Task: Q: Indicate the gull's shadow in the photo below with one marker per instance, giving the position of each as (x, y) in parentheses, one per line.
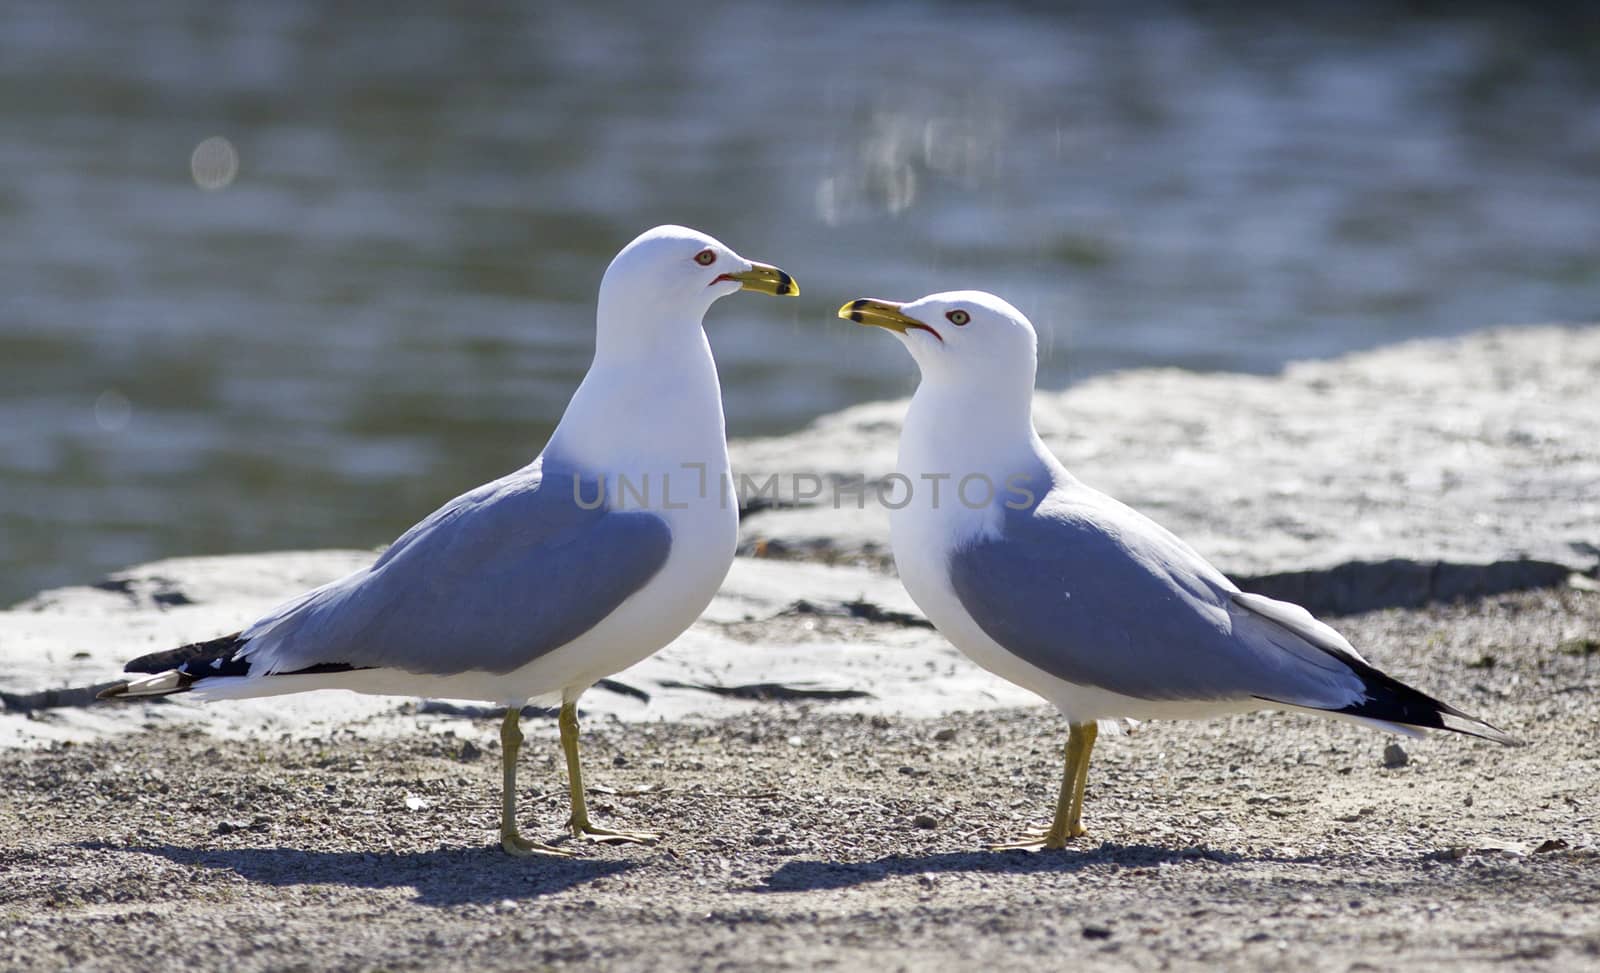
(447, 876)
(806, 876)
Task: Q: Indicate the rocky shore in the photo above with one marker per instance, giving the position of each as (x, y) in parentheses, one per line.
(828, 770)
(1429, 470)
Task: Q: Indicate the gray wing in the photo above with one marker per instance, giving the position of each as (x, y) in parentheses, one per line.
(1094, 593)
(490, 581)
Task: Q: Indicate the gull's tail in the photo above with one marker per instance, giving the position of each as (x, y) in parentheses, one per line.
(1392, 704)
(1385, 702)
(180, 670)
(177, 670)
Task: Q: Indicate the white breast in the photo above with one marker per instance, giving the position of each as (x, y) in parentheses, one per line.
(654, 429)
(935, 449)
(947, 437)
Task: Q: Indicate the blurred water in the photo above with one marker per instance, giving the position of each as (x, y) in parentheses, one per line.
(390, 301)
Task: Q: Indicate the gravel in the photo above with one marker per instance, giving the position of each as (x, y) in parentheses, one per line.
(1266, 841)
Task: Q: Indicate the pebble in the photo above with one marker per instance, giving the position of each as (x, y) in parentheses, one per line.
(1394, 755)
(926, 821)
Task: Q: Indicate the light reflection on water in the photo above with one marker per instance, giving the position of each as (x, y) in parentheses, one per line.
(385, 295)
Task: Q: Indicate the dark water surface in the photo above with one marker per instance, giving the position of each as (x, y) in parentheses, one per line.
(390, 299)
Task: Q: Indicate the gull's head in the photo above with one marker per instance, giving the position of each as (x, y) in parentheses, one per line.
(957, 335)
(672, 272)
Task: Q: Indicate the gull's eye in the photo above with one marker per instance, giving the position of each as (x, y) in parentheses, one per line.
(706, 257)
(957, 317)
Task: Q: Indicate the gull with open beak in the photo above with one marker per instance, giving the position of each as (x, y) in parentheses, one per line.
(1064, 591)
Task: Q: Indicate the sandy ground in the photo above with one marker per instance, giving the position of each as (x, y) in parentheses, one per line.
(801, 838)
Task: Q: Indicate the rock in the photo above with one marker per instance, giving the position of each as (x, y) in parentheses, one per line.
(1427, 470)
(1581, 647)
(1492, 846)
(1394, 755)
(1488, 846)
(944, 735)
(925, 821)
(1371, 473)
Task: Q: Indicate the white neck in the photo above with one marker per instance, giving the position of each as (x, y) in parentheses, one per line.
(648, 405)
(958, 433)
(956, 430)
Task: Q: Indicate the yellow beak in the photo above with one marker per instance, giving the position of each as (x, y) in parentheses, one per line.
(766, 279)
(884, 314)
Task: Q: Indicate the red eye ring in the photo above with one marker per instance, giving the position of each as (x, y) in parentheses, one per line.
(958, 317)
(706, 257)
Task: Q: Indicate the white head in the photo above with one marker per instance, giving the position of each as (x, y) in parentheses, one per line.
(669, 276)
(959, 337)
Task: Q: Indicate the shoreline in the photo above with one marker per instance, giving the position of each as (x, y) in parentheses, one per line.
(828, 771)
(1441, 470)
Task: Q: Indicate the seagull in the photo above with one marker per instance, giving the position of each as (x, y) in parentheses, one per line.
(539, 584)
(1061, 589)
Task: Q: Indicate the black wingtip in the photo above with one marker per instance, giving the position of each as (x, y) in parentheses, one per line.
(1389, 700)
(1460, 722)
(198, 661)
(206, 651)
(112, 691)
(1386, 699)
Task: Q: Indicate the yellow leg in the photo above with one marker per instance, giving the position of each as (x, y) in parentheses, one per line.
(1068, 823)
(1083, 736)
(579, 822)
(510, 744)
